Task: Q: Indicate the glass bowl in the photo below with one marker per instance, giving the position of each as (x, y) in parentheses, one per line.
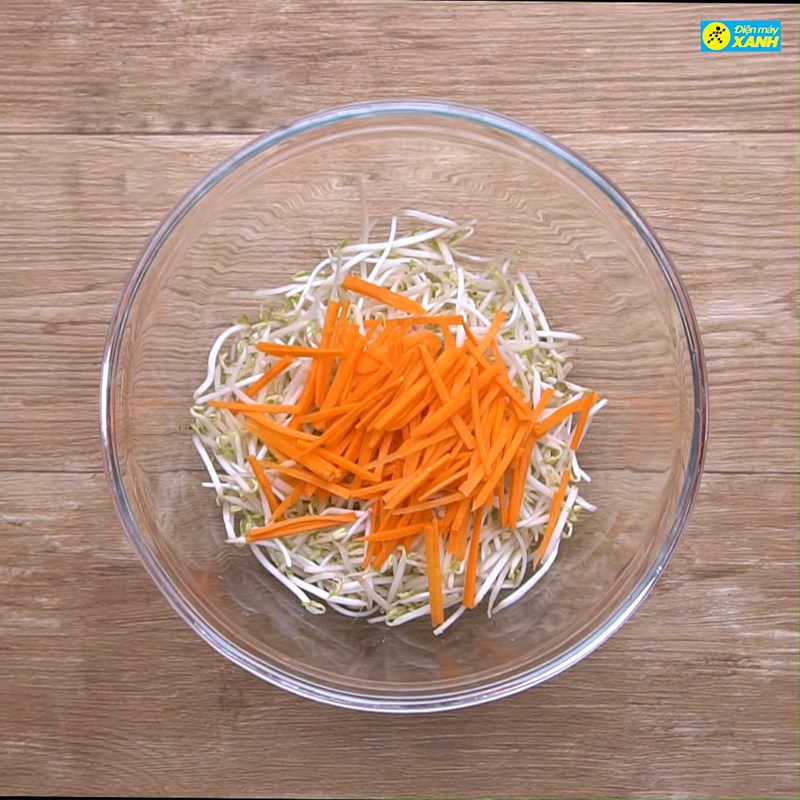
(271, 210)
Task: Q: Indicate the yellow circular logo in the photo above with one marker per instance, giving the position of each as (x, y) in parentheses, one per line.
(716, 36)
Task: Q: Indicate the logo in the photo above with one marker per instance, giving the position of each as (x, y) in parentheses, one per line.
(716, 36)
(740, 35)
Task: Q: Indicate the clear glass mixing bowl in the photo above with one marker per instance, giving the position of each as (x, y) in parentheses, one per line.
(272, 209)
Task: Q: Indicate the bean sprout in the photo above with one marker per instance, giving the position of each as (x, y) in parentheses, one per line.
(323, 569)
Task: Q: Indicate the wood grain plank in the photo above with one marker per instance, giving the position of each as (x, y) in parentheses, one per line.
(726, 216)
(694, 697)
(234, 65)
(103, 689)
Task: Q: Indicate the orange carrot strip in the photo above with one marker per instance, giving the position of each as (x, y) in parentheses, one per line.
(432, 559)
(286, 503)
(446, 436)
(306, 397)
(518, 481)
(460, 375)
(286, 448)
(259, 408)
(328, 413)
(437, 502)
(376, 490)
(379, 401)
(472, 559)
(449, 339)
(303, 523)
(408, 485)
(499, 421)
(387, 549)
(513, 392)
(544, 399)
(281, 430)
(368, 363)
(389, 534)
(488, 486)
(477, 472)
(323, 373)
(345, 462)
(446, 522)
(299, 525)
(383, 454)
(560, 414)
(261, 478)
(309, 477)
(444, 397)
(425, 340)
(410, 463)
(364, 387)
(414, 412)
(477, 423)
(443, 483)
(382, 295)
(459, 523)
(435, 451)
(502, 500)
(555, 511)
(406, 398)
(461, 540)
(342, 425)
(268, 376)
(589, 401)
(344, 375)
(297, 350)
(494, 329)
(447, 410)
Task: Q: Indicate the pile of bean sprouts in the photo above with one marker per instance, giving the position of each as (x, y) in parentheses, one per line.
(431, 265)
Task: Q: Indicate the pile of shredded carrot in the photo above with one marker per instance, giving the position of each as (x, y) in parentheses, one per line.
(430, 433)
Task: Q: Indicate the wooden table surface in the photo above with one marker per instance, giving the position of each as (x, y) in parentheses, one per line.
(109, 111)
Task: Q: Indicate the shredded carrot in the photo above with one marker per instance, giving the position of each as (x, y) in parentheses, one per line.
(268, 376)
(477, 420)
(502, 500)
(462, 398)
(488, 486)
(518, 479)
(328, 413)
(437, 487)
(296, 350)
(559, 415)
(393, 412)
(472, 559)
(434, 574)
(555, 512)
(280, 430)
(382, 295)
(308, 477)
(588, 402)
(263, 482)
(390, 534)
(349, 464)
(260, 408)
(299, 525)
(494, 329)
(376, 490)
(458, 538)
(407, 486)
(438, 502)
(286, 503)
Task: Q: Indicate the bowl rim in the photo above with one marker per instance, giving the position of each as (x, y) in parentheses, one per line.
(424, 701)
